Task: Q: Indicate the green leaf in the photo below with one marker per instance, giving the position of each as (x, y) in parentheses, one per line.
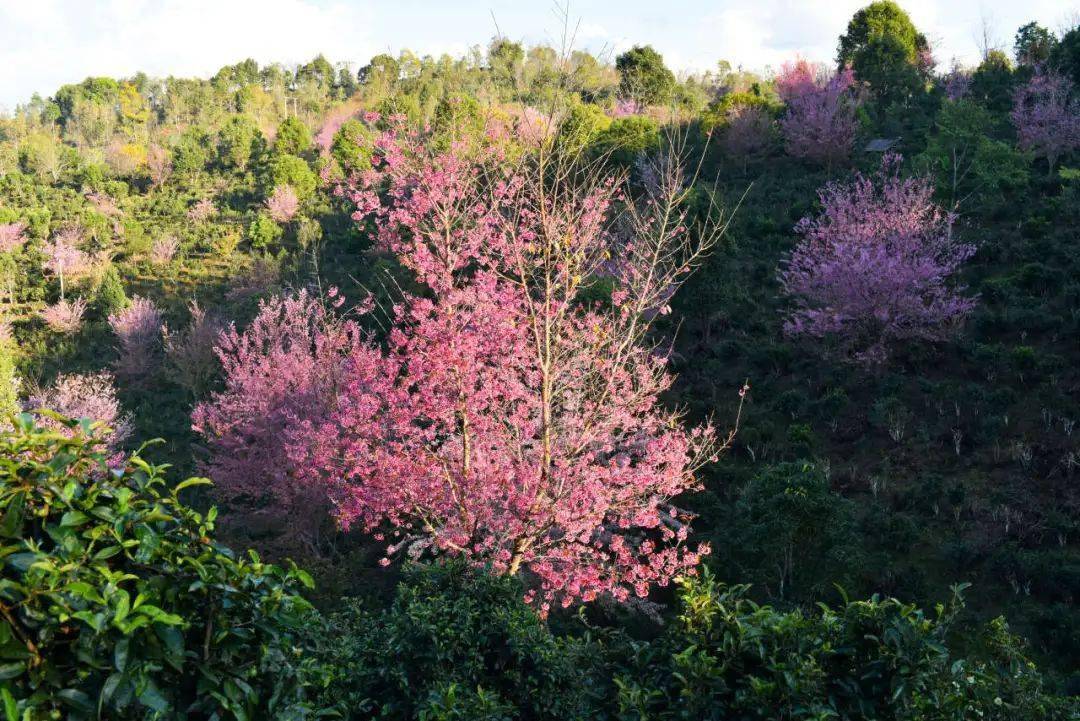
(123, 605)
(76, 699)
(152, 697)
(11, 707)
(11, 526)
(192, 482)
(12, 670)
(107, 552)
(73, 519)
(120, 655)
(22, 561)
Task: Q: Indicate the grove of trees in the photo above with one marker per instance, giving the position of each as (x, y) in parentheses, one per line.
(578, 389)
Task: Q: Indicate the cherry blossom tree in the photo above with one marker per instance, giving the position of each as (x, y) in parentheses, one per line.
(190, 351)
(820, 123)
(163, 250)
(283, 204)
(747, 131)
(65, 316)
(12, 236)
(138, 330)
(504, 421)
(1047, 116)
(79, 395)
(63, 258)
(874, 268)
(798, 78)
(284, 367)
(201, 210)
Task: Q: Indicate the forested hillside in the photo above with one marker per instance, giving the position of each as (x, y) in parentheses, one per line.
(578, 388)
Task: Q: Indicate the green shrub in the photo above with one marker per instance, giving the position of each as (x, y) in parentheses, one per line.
(263, 232)
(352, 146)
(626, 138)
(294, 171)
(455, 644)
(116, 602)
(110, 296)
(293, 137)
(728, 658)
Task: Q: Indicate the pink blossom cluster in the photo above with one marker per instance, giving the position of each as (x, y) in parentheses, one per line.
(503, 421)
(332, 124)
(138, 331)
(283, 204)
(65, 316)
(64, 258)
(158, 165)
(12, 236)
(190, 351)
(874, 269)
(625, 107)
(747, 131)
(1046, 114)
(163, 250)
(201, 210)
(282, 374)
(957, 84)
(820, 122)
(91, 396)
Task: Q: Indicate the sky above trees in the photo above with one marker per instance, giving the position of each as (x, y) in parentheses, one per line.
(46, 43)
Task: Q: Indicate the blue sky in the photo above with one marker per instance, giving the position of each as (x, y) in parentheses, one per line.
(45, 43)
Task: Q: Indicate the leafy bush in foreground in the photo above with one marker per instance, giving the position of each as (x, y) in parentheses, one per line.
(728, 658)
(455, 644)
(115, 602)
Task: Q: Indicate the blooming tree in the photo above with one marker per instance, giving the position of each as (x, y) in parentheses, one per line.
(283, 204)
(65, 316)
(163, 250)
(957, 84)
(1047, 116)
(747, 131)
(12, 236)
(874, 268)
(820, 123)
(190, 351)
(201, 210)
(63, 258)
(91, 396)
(138, 330)
(158, 165)
(798, 78)
(284, 367)
(504, 421)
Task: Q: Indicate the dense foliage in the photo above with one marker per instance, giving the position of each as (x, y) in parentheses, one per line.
(116, 601)
(324, 289)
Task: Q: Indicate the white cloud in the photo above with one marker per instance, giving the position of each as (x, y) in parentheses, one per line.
(46, 43)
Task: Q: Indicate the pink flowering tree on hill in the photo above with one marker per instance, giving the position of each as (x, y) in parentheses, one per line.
(505, 422)
(63, 257)
(874, 269)
(285, 367)
(820, 122)
(502, 420)
(1046, 114)
(138, 330)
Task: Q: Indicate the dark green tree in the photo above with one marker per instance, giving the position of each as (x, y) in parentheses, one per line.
(1033, 45)
(505, 59)
(1066, 54)
(643, 75)
(293, 137)
(886, 51)
(239, 141)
